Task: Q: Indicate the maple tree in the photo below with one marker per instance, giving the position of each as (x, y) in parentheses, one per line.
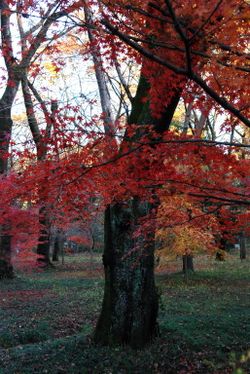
(184, 51)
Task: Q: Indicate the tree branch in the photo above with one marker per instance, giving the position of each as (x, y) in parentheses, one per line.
(178, 70)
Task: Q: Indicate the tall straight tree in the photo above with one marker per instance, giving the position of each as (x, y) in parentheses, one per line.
(6, 102)
(40, 140)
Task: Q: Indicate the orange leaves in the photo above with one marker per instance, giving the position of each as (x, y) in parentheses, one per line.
(184, 228)
(184, 240)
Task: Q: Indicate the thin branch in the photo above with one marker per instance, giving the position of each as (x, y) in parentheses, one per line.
(205, 142)
(39, 38)
(145, 52)
(226, 200)
(30, 113)
(177, 24)
(122, 80)
(39, 99)
(178, 70)
(207, 20)
(223, 102)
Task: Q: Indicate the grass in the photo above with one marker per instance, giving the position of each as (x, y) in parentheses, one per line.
(47, 319)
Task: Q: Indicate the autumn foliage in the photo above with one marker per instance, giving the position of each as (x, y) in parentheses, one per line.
(198, 50)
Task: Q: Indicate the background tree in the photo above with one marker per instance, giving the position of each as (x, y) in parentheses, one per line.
(15, 71)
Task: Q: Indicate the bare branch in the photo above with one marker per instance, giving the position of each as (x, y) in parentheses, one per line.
(143, 51)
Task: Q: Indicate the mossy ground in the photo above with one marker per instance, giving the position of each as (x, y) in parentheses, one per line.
(46, 321)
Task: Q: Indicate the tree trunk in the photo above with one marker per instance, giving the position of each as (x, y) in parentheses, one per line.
(43, 248)
(130, 304)
(6, 103)
(188, 264)
(6, 269)
(243, 248)
(56, 249)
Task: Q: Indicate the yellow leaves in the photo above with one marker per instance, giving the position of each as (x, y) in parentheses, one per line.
(173, 204)
(179, 115)
(184, 240)
(19, 117)
(52, 69)
(183, 228)
(71, 45)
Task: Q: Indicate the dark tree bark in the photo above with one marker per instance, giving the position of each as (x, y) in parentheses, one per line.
(187, 263)
(130, 305)
(187, 266)
(43, 248)
(222, 243)
(56, 248)
(243, 248)
(6, 269)
(6, 102)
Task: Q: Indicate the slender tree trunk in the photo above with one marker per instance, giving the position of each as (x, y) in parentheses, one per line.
(130, 304)
(187, 120)
(185, 265)
(188, 264)
(6, 269)
(104, 94)
(43, 248)
(56, 248)
(92, 247)
(63, 254)
(6, 102)
(243, 248)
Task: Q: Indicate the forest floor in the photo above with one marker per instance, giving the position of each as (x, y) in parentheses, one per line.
(47, 318)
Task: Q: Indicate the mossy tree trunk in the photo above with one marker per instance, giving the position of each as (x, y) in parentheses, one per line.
(130, 305)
